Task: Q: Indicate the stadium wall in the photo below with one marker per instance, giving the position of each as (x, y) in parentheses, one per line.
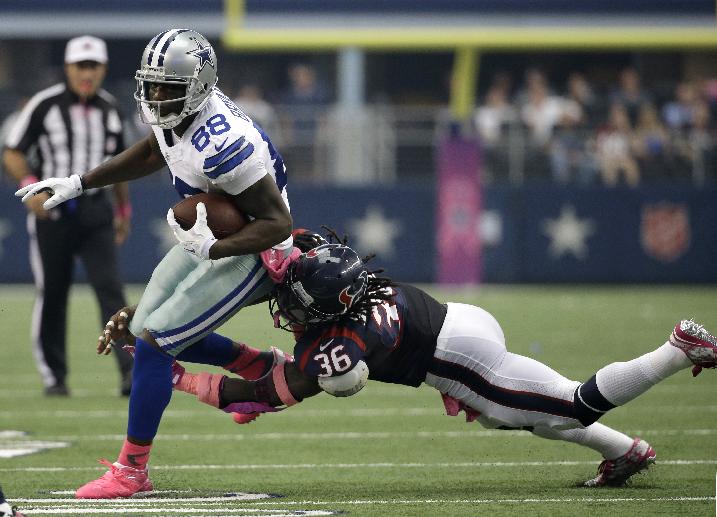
(661, 233)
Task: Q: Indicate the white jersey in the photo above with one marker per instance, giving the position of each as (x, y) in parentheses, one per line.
(221, 151)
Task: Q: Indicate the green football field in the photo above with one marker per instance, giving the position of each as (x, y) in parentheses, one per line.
(389, 450)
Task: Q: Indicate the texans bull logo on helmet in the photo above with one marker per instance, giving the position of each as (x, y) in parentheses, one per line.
(352, 291)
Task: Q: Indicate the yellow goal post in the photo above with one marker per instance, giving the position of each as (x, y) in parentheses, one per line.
(467, 42)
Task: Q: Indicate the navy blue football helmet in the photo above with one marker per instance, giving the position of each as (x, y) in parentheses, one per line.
(322, 285)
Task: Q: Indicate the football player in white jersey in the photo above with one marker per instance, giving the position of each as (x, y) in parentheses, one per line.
(208, 145)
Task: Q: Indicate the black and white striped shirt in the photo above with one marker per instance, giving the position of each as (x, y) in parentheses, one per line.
(71, 136)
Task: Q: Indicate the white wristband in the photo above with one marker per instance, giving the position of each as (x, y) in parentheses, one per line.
(76, 183)
(204, 250)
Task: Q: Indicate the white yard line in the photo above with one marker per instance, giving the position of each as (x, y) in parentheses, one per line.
(303, 413)
(86, 507)
(368, 435)
(383, 465)
(492, 501)
(247, 512)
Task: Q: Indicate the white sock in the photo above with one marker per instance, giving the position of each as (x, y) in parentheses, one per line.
(608, 442)
(619, 383)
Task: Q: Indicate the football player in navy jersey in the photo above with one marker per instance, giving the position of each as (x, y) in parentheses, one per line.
(351, 325)
(209, 145)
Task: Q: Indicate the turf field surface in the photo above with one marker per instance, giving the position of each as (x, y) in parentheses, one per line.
(389, 450)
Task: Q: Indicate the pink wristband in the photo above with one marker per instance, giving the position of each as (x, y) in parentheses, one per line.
(282, 388)
(28, 180)
(124, 210)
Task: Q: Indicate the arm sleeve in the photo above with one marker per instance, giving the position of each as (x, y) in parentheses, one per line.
(26, 129)
(115, 125)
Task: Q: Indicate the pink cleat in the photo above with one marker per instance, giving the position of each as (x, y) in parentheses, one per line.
(698, 344)
(119, 481)
(616, 472)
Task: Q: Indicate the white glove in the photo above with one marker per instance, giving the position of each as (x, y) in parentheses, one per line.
(199, 238)
(63, 189)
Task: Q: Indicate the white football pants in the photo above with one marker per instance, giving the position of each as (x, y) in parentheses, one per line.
(188, 297)
(472, 365)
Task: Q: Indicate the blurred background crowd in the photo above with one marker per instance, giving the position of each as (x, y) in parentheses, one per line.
(588, 118)
(508, 141)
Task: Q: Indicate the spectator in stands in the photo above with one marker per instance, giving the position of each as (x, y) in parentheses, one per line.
(250, 99)
(492, 120)
(569, 159)
(305, 103)
(613, 148)
(678, 113)
(540, 113)
(305, 96)
(580, 91)
(533, 78)
(630, 93)
(697, 146)
(651, 144)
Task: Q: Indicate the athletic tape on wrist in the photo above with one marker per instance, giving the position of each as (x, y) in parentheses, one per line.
(281, 386)
(28, 180)
(123, 210)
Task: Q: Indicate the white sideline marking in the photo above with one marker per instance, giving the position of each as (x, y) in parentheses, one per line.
(13, 449)
(275, 466)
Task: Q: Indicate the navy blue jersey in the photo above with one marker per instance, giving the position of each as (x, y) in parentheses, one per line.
(397, 341)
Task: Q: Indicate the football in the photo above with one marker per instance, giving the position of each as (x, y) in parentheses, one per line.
(223, 218)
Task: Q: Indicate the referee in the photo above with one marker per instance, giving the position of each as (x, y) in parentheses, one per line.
(74, 126)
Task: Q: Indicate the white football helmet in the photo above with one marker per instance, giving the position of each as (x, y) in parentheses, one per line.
(171, 57)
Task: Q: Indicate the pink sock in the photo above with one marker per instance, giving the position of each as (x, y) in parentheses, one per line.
(135, 456)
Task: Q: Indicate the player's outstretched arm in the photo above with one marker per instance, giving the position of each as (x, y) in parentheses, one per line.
(139, 160)
(265, 390)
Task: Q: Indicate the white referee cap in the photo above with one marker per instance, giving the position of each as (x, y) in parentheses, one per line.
(86, 48)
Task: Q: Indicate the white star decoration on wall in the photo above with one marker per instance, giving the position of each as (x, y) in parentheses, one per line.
(568, 234)
(374, 233)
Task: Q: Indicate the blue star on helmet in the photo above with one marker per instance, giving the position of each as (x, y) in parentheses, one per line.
(204, 54)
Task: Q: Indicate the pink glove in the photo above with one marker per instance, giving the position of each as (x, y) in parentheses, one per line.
(276, 262)
(454, 406)
(249, 408)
